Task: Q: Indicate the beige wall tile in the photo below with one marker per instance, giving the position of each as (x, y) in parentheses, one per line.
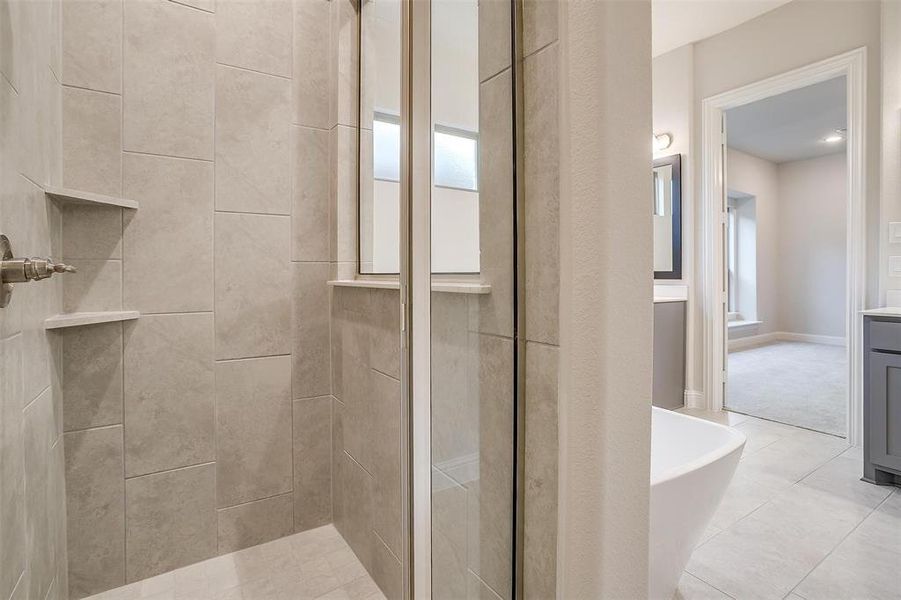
(91, 232)
(387, 570)
(92, 376)
(495, 461)
(540, 542)
(353, 506)
(58, 516)
(539, 24)
(253, 433)
(344, 191)
(170, 520)
(495, 53)
(310, 302)
(41, 300)
(169, 421)
(311, 63)
(9, 44)
(39, 435)
(169, 111)
(384, 352)
(253, 304)
(542, 196)
(15, 202)
(312, 462)
(92, 141)
(495, 202)
(255, 522)
(384, 447)
(454, 384)
(92, 44)
(449, 567)
(12, 473)
(96, 286)
(345, 63)
(255, 35)
(206, 5)
(253, 152)
(95, 505)
(168, 242)
(310, 228)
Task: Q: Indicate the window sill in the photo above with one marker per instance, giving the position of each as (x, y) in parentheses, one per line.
(743, 324)
(452, 287)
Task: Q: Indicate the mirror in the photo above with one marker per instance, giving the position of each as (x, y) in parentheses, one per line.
(455, 137)
(667, 208)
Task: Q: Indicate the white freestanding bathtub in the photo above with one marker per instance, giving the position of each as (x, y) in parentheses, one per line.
(692, 463)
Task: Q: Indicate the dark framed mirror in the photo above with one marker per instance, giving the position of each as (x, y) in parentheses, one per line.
(667, 207)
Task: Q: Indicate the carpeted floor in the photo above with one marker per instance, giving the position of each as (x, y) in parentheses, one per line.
(796, 383)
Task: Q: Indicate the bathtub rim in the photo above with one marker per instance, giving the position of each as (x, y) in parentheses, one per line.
(737, 442)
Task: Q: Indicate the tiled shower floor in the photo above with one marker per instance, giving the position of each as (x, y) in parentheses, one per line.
(309, 565)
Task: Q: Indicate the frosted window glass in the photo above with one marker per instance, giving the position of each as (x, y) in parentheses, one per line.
(386, 150)
(456, 161)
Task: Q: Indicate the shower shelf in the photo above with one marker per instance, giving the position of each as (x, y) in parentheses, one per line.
(79, 197)
(89, 318)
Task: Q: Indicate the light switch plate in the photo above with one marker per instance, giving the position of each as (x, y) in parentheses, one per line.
(894, 266)
(894, 232)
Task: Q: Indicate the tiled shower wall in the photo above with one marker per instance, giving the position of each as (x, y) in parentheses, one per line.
(32, 491)
(204, 426)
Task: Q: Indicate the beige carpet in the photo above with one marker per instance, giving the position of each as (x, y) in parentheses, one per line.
(791, 382)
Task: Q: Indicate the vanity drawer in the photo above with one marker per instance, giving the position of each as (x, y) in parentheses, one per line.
(885, 335)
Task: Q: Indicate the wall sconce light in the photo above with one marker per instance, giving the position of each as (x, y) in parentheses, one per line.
(662, 141)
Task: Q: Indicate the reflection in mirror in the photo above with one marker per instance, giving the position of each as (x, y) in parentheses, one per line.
(455, 137)
(380, 93)
(667, 207)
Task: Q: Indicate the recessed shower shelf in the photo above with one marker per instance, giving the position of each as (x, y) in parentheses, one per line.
(79, 197)
(89, 318)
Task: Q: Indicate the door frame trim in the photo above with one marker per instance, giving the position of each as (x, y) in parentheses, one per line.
(853, 66)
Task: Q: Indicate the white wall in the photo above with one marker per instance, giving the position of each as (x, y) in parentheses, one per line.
(812, 245)
(801, 251)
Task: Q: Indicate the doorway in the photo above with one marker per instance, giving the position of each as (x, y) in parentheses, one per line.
(729, 282)
(786, 231)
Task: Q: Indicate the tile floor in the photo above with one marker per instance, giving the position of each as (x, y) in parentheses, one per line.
(797, 523)
(309, 565)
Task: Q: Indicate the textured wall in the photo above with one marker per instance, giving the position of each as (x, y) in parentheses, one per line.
(32, 492)
(204, 426)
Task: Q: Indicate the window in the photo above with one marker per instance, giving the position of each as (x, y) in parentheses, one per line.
(456, 158)
(386, 147)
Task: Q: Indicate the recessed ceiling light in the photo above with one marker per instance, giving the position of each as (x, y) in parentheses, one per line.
(836, 136)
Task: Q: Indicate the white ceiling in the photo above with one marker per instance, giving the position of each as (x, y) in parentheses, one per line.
(679, 22)
(790, 126)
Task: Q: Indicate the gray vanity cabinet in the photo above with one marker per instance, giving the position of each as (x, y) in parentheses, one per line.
(882, 400)
(669, 354)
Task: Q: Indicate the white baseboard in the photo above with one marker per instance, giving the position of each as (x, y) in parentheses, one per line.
(694, 399)
(812, 339)
(753, 341)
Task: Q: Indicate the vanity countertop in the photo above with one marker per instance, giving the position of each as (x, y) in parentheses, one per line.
(886, 311)
(670, 292)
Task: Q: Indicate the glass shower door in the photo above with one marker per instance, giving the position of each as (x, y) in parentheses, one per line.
(472, 308)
